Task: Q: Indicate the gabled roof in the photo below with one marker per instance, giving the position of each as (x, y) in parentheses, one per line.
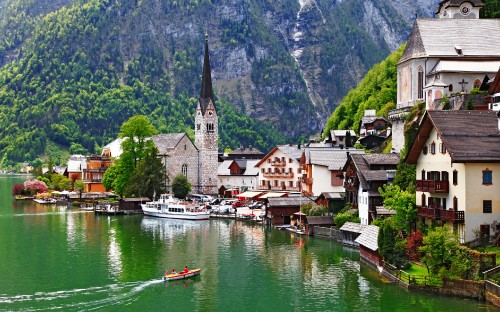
(366, 167)
(247, 165)
(353, 227)
(245, 151)
(439, 37)
(331, 157)
(469, 136)
(369, 237)
(292, 151)
(166, 142)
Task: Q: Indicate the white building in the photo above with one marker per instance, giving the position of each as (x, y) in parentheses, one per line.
(238, 174)
(457, 154)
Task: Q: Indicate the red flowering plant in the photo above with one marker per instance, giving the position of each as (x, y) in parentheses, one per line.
(35, 186)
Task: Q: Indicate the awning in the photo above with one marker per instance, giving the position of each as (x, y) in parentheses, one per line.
(249, 195)
(274, 195)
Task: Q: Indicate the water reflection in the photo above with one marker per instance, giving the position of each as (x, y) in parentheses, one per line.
(165, 229)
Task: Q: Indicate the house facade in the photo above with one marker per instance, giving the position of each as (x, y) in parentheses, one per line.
(322, 169)
(364, 175)
(240, 174)
(457, 154)
(450, 54)
(93, 173)
(280, 169)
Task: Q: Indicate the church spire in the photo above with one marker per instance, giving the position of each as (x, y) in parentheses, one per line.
(206, 93)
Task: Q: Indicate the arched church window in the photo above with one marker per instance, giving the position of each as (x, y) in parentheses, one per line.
(477, 84)
(210, 127)
(185, 170)
(420, 82)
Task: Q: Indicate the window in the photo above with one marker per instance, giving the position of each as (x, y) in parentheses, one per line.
(450, 87)
(423, 174)
(420, 83)
(425, 150)
(455, 177)
(198, 126)
(210, 127)
(444, 203)
(477, 84)
(487, 206)
(185, 170)
(444, 175)
(487, 177)
(424, 203)
(442, 148)
(433, 148)
(455, 203)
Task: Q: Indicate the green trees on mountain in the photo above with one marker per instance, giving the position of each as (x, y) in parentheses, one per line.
(376, 91)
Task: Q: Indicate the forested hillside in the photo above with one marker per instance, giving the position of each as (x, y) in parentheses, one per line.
(74, 70)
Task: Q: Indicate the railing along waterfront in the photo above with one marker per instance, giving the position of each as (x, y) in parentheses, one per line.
(413, 279)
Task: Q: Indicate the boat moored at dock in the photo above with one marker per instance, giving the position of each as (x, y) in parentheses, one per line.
(169, 207)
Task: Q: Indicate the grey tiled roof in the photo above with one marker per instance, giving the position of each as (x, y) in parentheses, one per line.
(365, 163)
(288, 201)
(469, 136)
(292, 151)
(369, 237)
(439, 37)
(353, 227)
(333, 158)
(165, 142)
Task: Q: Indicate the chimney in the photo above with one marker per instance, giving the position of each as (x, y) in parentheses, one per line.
(250, 147)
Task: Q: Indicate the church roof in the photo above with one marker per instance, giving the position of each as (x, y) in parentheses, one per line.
(469, 136)
(441, 37)
(166, 142)
(206, 93)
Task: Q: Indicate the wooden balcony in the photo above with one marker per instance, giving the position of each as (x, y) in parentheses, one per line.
(432, 186)
(437, 213)
(96, 170)
(278, 163)
(278, 174)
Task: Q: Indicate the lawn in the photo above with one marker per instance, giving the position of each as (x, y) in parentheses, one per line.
(492, 249)
(417, 269)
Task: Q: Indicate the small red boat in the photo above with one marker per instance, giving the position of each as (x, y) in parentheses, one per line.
(182, 275)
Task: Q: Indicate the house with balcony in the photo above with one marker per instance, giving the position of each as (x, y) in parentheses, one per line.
(322, 169)
(364, 174)
(75, 166)
(280, 169)
(93, 173)
(457, 154)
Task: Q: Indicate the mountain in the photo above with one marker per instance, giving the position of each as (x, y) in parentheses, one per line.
(73, 70)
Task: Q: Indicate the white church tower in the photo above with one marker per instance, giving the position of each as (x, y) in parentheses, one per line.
(207, 131)
(459, 9)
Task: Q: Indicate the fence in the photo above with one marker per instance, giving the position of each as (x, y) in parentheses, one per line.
(413, 279)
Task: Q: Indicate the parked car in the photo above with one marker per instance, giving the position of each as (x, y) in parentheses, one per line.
(238, 203)
(214, 203)
(256, 205)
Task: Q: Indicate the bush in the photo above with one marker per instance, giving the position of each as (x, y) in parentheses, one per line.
(17, 189)
(343, 217)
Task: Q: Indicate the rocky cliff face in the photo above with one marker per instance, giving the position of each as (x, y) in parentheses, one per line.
(287, 62)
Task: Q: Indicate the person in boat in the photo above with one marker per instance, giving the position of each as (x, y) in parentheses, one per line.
(166, 272)
(173, 271)
(185, 270)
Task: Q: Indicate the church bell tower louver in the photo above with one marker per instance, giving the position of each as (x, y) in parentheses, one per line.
(207, 130)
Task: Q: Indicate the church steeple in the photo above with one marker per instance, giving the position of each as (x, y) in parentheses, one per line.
(206, 93)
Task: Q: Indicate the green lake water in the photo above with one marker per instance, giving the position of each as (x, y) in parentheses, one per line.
(64, 259)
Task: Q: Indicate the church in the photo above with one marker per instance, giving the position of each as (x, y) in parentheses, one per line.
(197, 160)
(452, 53)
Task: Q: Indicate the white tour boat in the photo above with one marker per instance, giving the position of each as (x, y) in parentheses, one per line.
(169, 207)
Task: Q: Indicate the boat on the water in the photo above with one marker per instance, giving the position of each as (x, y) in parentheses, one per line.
(169, 207)
(45, 200)
(182, 275)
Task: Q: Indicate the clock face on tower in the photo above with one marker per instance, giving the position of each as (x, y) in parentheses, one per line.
(210, 113)
(465, 9)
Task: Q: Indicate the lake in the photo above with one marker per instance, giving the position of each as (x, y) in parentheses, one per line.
(58, 258)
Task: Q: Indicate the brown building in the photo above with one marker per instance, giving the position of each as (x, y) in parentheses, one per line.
(94, 171)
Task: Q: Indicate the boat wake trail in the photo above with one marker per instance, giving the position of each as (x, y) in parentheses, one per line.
(88, 299)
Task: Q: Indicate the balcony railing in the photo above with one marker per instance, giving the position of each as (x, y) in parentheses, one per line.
(278, 174)
(278, 163)
(96, 170)
(436, 213)
(92, 180)
(432, 186)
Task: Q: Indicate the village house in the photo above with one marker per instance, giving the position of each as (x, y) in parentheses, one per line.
(457, 154)
(244, 153)
(449, 54)
(341, 138)
(280, 169)
(93, 173)
(280, 209)
(364, 174)
(75, 166)
(240, 174)
(322, 169)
